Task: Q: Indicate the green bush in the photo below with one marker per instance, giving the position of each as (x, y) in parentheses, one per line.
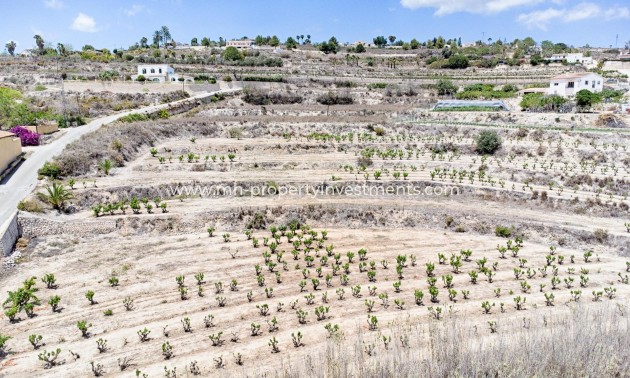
(345, 84)
(487, 142)
(377, 86)
(207, 78)
(538, 100)
(163, 114)
(457, 62)
(50, 170)
(134, 117)
(476, 91)
(70, 121)
(335, 99)
(503, 232)
(446, 87)
(231, 53)
(585, 98)
(266, 79)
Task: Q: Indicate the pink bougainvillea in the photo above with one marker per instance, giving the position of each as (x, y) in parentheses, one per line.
(27, 137)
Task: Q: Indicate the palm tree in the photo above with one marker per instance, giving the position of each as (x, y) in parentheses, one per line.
(56, 195)
(166, 34)
(39, 41)
(157, 38)
(11, 45)
(61, 48)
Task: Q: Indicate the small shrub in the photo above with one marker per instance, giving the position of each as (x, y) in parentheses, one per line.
(50, 170)
(503, 232)
(487, 142)
(134, 117)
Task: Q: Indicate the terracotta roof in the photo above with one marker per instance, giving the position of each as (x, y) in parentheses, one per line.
(576, 75)
(6, 134)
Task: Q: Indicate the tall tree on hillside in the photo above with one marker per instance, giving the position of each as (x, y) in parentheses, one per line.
(11, 45)
(39, 41)
(61, 49)
(157, 38)
(302, 38)
(392, 39)
(379, 41)
(144, 42)
(166, 34)
(291, 43)
(274, 42)
(205, 41)
(194, 42)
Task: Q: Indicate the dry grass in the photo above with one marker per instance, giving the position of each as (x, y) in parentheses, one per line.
(584, 341)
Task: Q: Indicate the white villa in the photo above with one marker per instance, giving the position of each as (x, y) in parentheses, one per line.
(568, 85)
(240, 43)
(161, 73)
(572, 58)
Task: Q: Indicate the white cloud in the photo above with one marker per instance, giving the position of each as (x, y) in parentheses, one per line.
(55, 4)
(583, 11)
(539, 19)
(84, 23)
(134, 10)
(617, 13)
(471, 6)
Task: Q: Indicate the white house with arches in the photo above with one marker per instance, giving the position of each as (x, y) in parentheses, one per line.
(161, 73)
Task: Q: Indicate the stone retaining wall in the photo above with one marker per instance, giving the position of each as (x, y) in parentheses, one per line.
(31, 226)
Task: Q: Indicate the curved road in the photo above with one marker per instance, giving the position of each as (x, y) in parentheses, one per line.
(24, 178)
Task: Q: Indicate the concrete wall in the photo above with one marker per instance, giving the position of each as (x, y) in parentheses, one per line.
(9, 234)
(10, 149)
(622, 66)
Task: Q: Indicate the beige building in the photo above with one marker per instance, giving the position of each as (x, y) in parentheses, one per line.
(240, 44)
(10, 149)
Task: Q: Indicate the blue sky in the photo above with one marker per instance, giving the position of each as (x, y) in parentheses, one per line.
(117, 23)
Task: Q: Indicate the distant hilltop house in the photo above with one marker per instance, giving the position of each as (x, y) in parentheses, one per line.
(357, 43)
(10, 149)
(572, 58)
(240, 43)
(568, 85)
(161, 73)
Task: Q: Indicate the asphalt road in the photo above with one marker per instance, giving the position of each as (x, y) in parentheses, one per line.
(24, 178)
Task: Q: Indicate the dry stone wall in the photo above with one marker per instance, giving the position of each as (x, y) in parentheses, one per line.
(32, 226)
